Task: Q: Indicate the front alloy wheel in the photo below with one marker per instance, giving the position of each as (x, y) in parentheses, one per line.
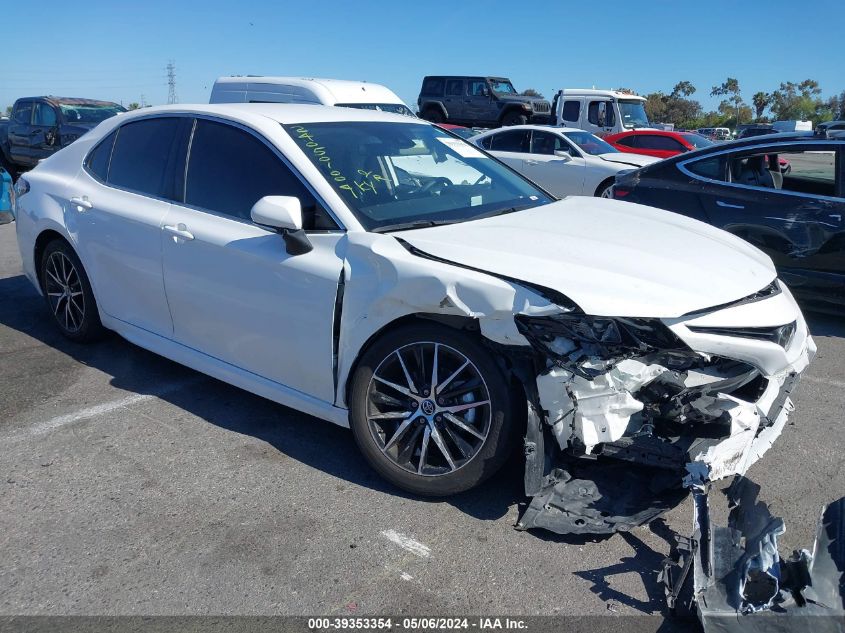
(431, 411)
(429, 408)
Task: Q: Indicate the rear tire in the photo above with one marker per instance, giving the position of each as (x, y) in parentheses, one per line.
(68, 293)
(432, 437)
(434, 115)
(514, 118)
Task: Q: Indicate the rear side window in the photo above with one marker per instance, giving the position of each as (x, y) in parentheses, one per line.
(628, 141)
(666, 143)
(143, 158)
(708, 168)
(510, 141)
(455, 87)
(23, 112)
(98, 160)
(433, 86)
(229, 170)
(571, 110)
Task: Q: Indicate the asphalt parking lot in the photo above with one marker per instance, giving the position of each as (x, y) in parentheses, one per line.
(132, 485)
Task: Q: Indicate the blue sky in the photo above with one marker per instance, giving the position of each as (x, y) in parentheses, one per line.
(118, 51)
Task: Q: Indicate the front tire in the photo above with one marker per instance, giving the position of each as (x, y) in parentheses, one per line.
(68, 293)
(605, 189)
(431, 411)
(514, 118)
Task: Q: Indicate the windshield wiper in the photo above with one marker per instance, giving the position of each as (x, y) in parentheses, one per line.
(416, 224)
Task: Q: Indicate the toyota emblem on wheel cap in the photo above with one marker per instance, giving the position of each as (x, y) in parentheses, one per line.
(427, 407)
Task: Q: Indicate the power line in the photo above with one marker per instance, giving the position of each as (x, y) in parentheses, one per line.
(171, 83)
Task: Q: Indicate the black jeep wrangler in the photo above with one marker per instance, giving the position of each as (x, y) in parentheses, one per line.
(478, 102)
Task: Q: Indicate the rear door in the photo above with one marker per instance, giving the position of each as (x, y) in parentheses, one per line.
(20, 128)
(511, 147)
(793, 212)
(116, 207)
(453, 98)
(560, 175)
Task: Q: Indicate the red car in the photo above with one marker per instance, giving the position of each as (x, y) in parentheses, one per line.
(657, 142)
(665, 144)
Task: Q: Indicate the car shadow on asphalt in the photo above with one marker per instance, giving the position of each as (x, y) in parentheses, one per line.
(312, 441)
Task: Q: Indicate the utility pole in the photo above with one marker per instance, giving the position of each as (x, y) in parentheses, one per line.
(171, 83)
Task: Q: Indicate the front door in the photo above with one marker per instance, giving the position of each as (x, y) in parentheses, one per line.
(44, 139)
(478, 102)
(234, 291)
(561, 175)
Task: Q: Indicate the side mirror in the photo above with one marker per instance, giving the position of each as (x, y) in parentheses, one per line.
(283, 213)
(562, 153)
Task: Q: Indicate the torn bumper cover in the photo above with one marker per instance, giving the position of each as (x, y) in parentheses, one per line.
(738, 579)
(686, 401)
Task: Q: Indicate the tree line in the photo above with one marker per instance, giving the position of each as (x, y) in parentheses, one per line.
(791, 101)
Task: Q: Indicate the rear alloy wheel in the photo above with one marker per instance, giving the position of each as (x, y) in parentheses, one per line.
(431, 410)
(68, 293)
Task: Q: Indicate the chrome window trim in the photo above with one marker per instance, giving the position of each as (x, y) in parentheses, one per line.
(838, 147)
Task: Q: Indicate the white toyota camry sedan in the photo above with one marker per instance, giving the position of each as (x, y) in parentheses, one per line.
(380, 273)
(564, 161)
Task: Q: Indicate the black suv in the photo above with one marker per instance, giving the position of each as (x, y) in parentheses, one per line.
(478, 102)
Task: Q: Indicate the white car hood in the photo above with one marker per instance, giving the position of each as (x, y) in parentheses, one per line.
(635, 160)
(612, 258)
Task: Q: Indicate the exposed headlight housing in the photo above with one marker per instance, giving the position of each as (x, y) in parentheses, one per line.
(566, 338)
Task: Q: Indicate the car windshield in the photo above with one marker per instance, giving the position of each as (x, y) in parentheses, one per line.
(502, 87)
(393, 108)
(404, 175)
(633, 114)
(590, 143)
(697, 141)
(89, 113)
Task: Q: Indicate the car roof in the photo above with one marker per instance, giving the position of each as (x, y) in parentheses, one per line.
(77, 101)
(541, 128)
(284, 113)
(649, 131)
(751, 142)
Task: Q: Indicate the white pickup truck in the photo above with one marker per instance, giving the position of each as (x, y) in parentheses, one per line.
(600, 112)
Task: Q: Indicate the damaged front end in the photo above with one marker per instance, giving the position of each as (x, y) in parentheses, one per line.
(626, 416)
(736, 580)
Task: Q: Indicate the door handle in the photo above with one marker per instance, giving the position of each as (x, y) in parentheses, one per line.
(82, 204)
(180, 231)
(531, 162)
(728, 205)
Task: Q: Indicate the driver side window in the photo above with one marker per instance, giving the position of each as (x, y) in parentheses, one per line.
(45, 115)
(477, 88)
